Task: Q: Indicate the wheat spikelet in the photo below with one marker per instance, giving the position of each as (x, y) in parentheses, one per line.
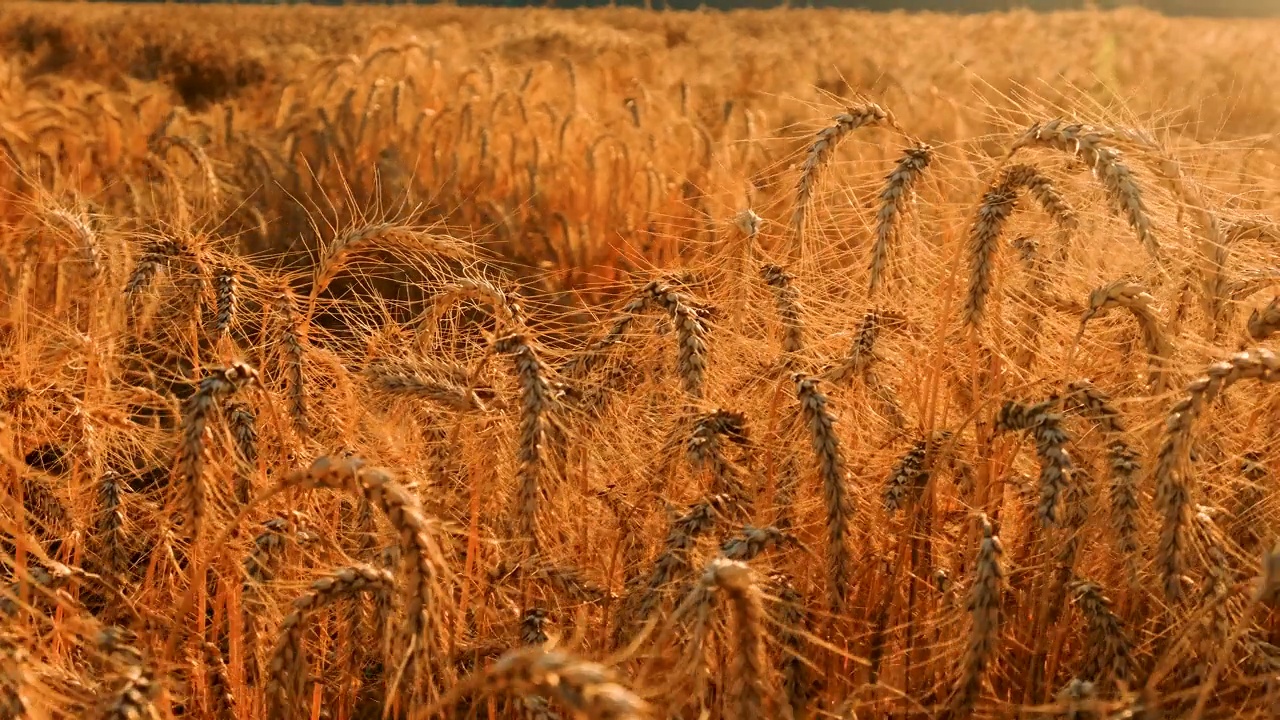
(1265, 322)
(1134, 298)
(219, 383)
(1173, 488)
(983, 606)
(894, 198)
(998, 204)
(823, 148)
(288, 662)
(1123, 461)
(1086, 143)
(861, 352)
(826, 448)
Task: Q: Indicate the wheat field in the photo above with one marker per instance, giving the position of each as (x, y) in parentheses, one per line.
(435, 362)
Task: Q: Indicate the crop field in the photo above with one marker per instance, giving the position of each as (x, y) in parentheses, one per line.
(391, 362)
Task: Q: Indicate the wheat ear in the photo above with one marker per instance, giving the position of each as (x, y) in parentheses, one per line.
(823, 148)
(1173, 488)
(244, 431)
(536, 401)
(674, 559)
(895, 196)
(288, 663)
(748, 679)
(1123, 460)
(1086, 143)
(830, 459)
(1051, 440)
(292, 330)
(586, 688)
(983, 606)
(1134, 298)
(790, 311)
(1265, 322)
(706, 449)
(998, 204)
(423, 561)
(226, 286)
(1108, 649)
(219, 383)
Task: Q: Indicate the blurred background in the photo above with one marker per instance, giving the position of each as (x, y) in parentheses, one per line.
(1205, 8)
